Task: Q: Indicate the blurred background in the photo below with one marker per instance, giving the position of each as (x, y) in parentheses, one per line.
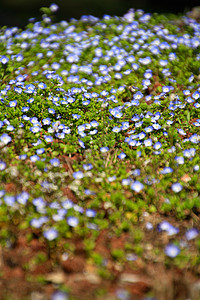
(17, 12)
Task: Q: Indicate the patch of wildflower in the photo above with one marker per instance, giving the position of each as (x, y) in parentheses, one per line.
(102, 113)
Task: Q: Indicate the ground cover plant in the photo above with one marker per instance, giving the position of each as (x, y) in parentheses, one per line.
(99, 157)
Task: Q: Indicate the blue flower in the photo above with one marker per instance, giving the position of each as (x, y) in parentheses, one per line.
(30, 88)
(48, 138)
(40, 151)
(67, 204)
(87, 167)
(23, 156)
(4, 59)
(76, 116)
(116, 129)
(148, 142)
(72, 221)
(81, 143)
(58, 295)
(42, 85)
(122, 155)
(104, 149)
(2, 165)
(166, 226)
(138, 95)
(22, 198)
(191, 234)
(39, 202)
(179, 159)
(51, 110)
(157, 145)
(78, 175)
(55, 162)
(176, 187)
(137, 186)
(172, 250)
(90, 213)
(36, 223)
(34, 158)
(50, 234)
(9, 200)
(166, 170)
(196, 168)
(5, 138)
(13, 103)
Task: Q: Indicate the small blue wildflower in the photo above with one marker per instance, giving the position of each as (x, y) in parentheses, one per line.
(2, 165)
(156, 126)
(67, 204)
(30, 100)
(30, 88)
(39, 202)
(116, 129)
(78, 208)
(4, 59)
(132, 143)
(58, 295)
(148, 129)
(195, 138)
(2, 193)
(48, 138)
(176, 187)
(35, 129)
(137, 186)
(76, 116)
(197, 105)
(50, 234)
(42, 85)
(196, 168)
(136, 172)
(126, 181)
(34, 158)
(149, 226)
(81, 143)
(51, 110)
(13, 103)
(22, 198)
(72, 221)
(122, 155)
(104, 149)
(179, 160)
(123, 294)
(9, 200)
(157, 145)
(25, 108)
(191, 234)
(138, 95)
(90, 213)
(23, 156)
(78, 175)
(55, 162)
(112, 178)
(141, 135)
(36, 223)
(172, 250)
(5, 138)
(148, 142)
(40, 151)
(166, 226)
(181, 131)
(87, 167)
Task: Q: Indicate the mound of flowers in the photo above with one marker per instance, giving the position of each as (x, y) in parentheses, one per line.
(100, 134)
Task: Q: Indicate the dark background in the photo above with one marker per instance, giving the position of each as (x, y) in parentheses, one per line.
(17, 12)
